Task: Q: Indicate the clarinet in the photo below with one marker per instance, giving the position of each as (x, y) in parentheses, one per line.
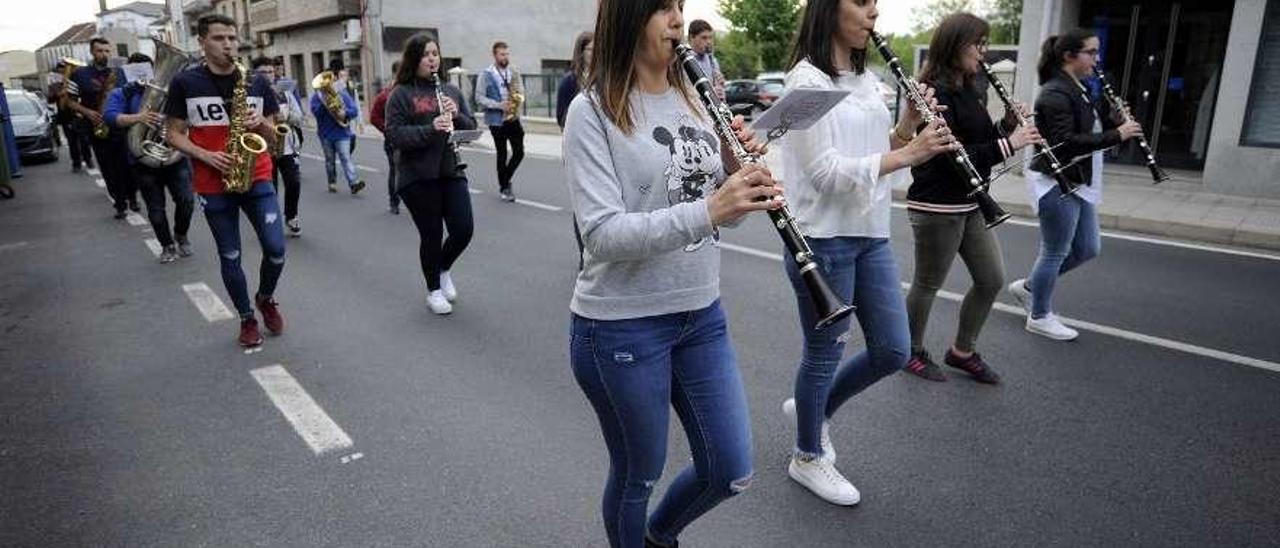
(1157, 175)
(828, 305)
(1065, 185)
(992, 213)
(458, 164)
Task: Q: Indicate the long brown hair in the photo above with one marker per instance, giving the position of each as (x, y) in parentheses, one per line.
(578, 65)
(1055, 47)
(818, 25)
(955, 33)
(619, 25)
(414, 50)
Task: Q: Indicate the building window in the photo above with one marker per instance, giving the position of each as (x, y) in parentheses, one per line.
(122, 50)
(1262, 116)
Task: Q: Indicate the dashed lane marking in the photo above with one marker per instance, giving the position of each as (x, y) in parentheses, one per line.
(154, 245)
(135, 219)
(1170, 344)
(13, 246)
(538, 205)
(207, 302)
(308, 419)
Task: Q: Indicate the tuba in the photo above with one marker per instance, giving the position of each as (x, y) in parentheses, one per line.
(147, 142)
(69, 66)
(324, 84)
(243, 146)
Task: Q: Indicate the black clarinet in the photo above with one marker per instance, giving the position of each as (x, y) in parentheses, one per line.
(1157, 175)
(992, 213)
(1065, 185)
(458, 164)
(828, 305)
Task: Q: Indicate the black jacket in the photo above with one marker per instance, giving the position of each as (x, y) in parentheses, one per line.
(1065, 115)
(938, 182)
(421, 151)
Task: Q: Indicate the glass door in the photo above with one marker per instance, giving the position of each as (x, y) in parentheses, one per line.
(1165, 59)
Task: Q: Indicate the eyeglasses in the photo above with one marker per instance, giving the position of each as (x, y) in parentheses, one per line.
(1090, 51)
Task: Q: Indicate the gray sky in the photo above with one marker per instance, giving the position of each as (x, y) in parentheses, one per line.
(29, 24)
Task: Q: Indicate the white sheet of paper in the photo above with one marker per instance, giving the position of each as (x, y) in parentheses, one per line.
(138, 72)
(799, 109)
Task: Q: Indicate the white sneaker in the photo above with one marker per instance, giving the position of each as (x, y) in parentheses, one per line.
(446, 285)
(1050, 326)
(822, 478)
(1019, 291)
(828, 450)
(438, 303)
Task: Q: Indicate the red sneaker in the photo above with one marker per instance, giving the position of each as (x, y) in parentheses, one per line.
(249, 334)
(270, 314)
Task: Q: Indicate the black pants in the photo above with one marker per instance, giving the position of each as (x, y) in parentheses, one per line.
(437, 204)
(78, 145)
(286, 167)
(509, 132)
(153, 182)
(113, 162)
(391, 175)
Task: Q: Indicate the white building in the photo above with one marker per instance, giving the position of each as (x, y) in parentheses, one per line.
(130, 27)
(73, 43)
(1203, 78)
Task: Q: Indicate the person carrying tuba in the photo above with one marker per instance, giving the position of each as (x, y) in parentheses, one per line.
(334, 109)
(124, 109)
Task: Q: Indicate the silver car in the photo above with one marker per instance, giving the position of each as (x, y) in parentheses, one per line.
(33, 125)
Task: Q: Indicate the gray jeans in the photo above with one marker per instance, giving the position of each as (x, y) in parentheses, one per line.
(939, 237)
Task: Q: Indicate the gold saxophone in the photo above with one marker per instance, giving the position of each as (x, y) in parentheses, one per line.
(243, 146)
(100, 130)
(324, 83)
(516, 98)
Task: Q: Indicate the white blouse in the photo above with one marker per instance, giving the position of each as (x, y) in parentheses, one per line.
(831, 171)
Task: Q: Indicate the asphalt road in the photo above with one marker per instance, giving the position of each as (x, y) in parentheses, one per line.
(128, 419)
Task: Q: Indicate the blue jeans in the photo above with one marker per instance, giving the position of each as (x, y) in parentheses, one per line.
(1069, 237)
(342, 149)
(222, 211)
(861, 271)
(633, 372)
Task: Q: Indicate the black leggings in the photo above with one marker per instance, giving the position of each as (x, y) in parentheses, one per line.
(437, 204)
(286, 167)
(509, 132)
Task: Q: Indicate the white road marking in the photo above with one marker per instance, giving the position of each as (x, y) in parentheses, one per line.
(135, 219)
(311, 156)
(207, 302)
(1152, 240)
(102, 183)
(474, 191)
(154, 245)
(317, 158)
(308, 419)
(538, 205)
(13, 246)
(351, 458)
(367, 168)
(93, 172)
(1078, 324)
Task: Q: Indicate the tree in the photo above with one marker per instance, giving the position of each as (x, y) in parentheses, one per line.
(1005, 17)
(739, 56)
(769, 24)
(926, 19)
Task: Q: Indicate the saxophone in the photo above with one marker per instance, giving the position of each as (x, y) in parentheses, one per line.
(100, 130)
(516, 98)
(243, 146)
(324, 83)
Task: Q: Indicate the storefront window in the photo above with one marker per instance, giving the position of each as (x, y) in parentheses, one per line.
(1262, 117)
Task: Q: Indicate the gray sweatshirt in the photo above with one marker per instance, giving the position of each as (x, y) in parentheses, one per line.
(640, 201)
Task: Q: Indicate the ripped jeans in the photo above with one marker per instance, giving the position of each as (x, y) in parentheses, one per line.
(634, 372)
(222, 211)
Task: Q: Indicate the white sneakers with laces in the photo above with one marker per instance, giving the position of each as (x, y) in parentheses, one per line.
(446, 285)
(821, 477)
(1020, 293)
(438, 302)
(1050, 326)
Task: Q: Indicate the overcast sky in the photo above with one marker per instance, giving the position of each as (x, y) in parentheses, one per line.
(29, 24)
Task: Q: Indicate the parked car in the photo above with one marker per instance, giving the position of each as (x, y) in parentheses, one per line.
(33, 125)
(751, 98)
(775, 77)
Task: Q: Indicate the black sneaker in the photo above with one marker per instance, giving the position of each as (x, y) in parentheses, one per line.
(133, 206)
(974, 366)
(507, 196)
(120, 214)
(184, 246)
(921, 365)
(356, 188)
(650, 543)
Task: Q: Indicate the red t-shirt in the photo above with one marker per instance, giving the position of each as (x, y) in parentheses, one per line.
(203, 98)
(377, 112)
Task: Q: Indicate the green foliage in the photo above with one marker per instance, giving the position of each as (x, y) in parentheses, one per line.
(927, 18)
(904, 45)
(768, 24)
(739, 56)
(1005, 17)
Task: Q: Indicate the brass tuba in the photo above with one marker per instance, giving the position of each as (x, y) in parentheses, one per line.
(69, 65)
(243, 146)
(147, 142)
(323, 83)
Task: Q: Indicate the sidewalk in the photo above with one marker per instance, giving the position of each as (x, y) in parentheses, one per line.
(1131, 203)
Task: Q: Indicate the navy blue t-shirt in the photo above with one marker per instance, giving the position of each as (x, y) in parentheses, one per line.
(203, 99)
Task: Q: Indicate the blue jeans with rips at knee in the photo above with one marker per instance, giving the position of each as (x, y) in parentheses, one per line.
(861, 271)
(634, 372)
(259, 204)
